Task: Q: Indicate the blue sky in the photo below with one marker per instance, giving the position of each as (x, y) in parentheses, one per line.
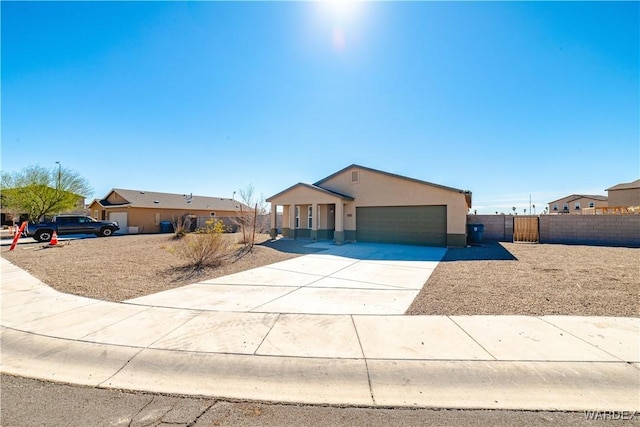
(505, 99)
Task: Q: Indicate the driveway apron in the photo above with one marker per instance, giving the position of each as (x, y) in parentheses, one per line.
(350, 279)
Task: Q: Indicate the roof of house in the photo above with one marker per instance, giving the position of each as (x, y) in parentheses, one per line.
(152, 199)
(573, 197)
(467, 193)
(312, 187)
(389, 174)
(626, 185)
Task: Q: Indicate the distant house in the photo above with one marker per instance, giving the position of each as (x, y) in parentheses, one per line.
(625, 195)
(146, 211)
(362, 204)
(574, 203)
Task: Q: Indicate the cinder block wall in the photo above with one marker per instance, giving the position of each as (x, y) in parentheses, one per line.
(613, 230)
(496, 227)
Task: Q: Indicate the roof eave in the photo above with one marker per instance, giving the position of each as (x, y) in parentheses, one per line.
(354, 165)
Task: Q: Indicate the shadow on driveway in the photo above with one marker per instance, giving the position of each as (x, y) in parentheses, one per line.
(486, 251)
(291, 246)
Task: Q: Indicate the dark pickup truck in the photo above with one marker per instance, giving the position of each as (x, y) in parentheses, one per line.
(70, 224)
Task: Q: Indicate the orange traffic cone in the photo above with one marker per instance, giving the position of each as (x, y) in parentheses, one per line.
(54, 239)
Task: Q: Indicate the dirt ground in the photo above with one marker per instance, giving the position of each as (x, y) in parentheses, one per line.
(534, 279)
(495, 278)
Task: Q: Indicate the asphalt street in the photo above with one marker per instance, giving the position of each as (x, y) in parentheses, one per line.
(28, 402)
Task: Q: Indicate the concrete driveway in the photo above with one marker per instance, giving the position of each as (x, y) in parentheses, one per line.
(359, 278)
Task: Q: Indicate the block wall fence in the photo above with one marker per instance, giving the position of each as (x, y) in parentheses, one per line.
(607, 230)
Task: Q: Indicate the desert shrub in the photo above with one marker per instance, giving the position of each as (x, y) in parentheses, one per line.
(181, 226)
(207, 247)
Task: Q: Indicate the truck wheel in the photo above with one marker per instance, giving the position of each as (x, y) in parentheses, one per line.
(106, 232)
(42, 236)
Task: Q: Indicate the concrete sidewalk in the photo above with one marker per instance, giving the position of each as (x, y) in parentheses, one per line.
(387, 360)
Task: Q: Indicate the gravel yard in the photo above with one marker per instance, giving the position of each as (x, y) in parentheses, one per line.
(495, 278)
(534, 279)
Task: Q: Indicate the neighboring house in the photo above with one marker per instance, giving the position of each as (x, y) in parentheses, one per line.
(358, 203)
(575, 203)
(144, 211)
(625, 195)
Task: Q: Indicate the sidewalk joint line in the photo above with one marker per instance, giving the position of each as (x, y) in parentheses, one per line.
(117, 321)
(255, 352)
(294, 289)
(472, 338)
(364, 357)
(583, 340)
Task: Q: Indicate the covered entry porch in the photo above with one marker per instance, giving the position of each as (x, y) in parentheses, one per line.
(310, 212)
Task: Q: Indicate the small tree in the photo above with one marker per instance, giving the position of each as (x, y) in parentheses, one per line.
(37, 191)
(206, 247)
(250, 214)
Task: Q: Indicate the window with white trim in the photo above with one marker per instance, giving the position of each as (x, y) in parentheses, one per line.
(577, 206)
(555, 206)
(297, 216)
(592, 205)
(310, 217)
(565, 206)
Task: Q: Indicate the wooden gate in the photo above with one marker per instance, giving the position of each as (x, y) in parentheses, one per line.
(525, 229)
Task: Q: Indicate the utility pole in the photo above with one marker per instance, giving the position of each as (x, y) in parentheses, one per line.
(59, 175)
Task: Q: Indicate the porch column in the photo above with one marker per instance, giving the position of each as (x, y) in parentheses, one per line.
(315, 212)
(273, 232)
(338, 235)
(292, 221)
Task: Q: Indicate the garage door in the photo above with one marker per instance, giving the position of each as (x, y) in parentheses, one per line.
(416, 225)
(121, 217)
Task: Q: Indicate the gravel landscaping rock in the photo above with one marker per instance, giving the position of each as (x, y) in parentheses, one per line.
(533, 279)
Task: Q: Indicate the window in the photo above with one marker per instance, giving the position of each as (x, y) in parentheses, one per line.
(555, 206)
(310, 217)
(577, 206)
(355, 176)
(592, 205)
(297, 216)
(565, 206)
(212, 214)
(95, 214)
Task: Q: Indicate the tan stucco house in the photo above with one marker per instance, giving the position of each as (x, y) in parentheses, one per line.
(143, 211)
(575, 203)
(358, 203)
(625, 195)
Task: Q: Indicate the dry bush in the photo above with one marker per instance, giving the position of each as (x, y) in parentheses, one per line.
(248, 220)
(206, 247)
(181, 226)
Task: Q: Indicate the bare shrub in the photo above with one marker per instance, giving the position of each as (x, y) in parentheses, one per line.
(181, 226)
(248, 220)
(206, 247)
